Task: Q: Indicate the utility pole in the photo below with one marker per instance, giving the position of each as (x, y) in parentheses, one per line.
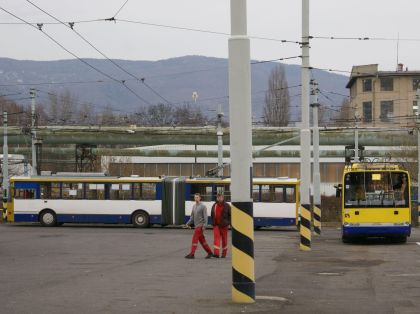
(220, 142)
(305, 137)
(33, 133)
(316, 173)
(418, 153)
(243, 273)
(5, 185)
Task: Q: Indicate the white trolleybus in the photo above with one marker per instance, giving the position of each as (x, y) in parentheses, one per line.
(140, 201)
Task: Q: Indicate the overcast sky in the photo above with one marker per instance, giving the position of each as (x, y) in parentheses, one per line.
(266, 18)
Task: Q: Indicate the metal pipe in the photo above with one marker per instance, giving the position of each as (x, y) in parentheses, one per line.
(305, 136)
(206, 136)
(243, 285)
(59, 152)
(316, 173)
(5, 185)
(33, 133)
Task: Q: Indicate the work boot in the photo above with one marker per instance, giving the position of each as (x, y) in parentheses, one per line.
(215, 256)
(209, 255)
(223, 256)
(189, 256)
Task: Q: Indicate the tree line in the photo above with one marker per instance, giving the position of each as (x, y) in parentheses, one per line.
(66, 109)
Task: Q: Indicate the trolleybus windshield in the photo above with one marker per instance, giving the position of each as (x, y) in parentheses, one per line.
(376, 189)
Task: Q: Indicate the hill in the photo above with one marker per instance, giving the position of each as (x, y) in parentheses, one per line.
(174, 79)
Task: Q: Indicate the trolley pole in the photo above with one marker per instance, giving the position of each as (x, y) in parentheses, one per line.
(5, 184)
(316, 172)
(243, 275)
(305, 137)
(356, 136)
(220, 142)
(33, 133)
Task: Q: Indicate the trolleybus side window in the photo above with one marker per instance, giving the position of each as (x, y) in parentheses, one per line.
(225, 190)
(120, 191)
(72, 190)
(256, 195)
(274, 193)
(205, 190)
(24, 194)
(50, 190)
(144, 191)
(95, 191)
(290, 194)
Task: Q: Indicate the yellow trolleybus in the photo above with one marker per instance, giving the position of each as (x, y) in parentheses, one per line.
(376, 201)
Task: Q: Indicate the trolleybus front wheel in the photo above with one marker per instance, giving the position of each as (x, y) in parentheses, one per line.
(140, 219)
(48, 218)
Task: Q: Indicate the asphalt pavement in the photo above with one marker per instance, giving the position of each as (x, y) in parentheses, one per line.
(119, 269)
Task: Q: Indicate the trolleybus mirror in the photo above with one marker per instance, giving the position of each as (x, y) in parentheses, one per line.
(338, 189)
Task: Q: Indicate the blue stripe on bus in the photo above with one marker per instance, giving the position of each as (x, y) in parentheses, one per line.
(26, 217)
(154, 219)
(377, 231)
(263, 221)
(69, 218)
(280, 222)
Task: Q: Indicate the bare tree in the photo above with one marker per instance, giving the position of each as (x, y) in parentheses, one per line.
(277, 100)
(160, 115)
(188, 115)
(86, 115)
(108, 118)
(346, 114)
(62, 107)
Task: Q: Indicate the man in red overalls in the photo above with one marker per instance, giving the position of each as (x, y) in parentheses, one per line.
(199, 218)
(220, 214)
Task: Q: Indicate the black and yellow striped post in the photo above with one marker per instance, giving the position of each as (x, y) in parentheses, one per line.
(317, 219)
(4, 210)
(418, 213)
(305, 227)
(243, 284)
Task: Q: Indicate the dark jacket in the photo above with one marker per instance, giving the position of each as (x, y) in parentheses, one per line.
(225, 214)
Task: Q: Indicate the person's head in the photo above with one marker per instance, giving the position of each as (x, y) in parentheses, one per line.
(220, 198)
(197, 197)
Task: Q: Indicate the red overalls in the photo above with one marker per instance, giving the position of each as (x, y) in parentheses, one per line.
(219, 231)
(199, 236)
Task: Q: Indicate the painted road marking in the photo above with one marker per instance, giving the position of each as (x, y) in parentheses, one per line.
(271, 298)
(405, 275)
(330, 274)
(418, 243)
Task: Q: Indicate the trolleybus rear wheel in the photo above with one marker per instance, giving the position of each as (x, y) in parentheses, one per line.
(140, 219)
(48, 218)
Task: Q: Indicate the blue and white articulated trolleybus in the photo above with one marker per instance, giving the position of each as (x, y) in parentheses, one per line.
(140, 201)
(376, 201)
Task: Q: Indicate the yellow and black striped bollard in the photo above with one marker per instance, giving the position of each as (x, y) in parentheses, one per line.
(317, 219)
(418, 212)
(243, 286)
(305, 227)
(4, 211)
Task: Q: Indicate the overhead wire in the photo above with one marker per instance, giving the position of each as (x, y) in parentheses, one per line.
(74, 55)
(119, 10)
(364, 38)
(70, 26)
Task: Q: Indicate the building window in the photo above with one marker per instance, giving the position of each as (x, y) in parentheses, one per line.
(416, 83)
(387, 110)
(415, 108)
(387, 84)
(367, 85)
(367, 111)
